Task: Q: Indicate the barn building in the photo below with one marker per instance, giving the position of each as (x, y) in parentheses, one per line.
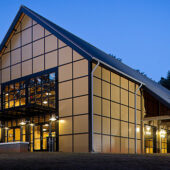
(59, 93)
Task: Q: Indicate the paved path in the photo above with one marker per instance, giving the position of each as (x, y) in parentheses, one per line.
(83, 161)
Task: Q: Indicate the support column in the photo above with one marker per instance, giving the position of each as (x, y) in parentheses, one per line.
(3, 131)
(159, 137)
(27, 130)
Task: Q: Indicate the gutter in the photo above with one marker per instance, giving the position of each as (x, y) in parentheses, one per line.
(115, 69)
(92, 103)
(136, 118)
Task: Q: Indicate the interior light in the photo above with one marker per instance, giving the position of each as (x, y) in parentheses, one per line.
(6, 94)
(45, 102)
(31, 124)
(44, 130)
(39, 80)
(6, 128)
(148, 133)
(48, 94)
(162, 136)
(22, 123)
(162, 133)
(46, 125)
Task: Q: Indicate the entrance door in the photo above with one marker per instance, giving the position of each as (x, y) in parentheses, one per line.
(41, 133)
(17, 134)
(37, 138)
(45, 135)
(14, 134)
(10, 135)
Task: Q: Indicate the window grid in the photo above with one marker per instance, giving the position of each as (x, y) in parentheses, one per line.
(109, 99)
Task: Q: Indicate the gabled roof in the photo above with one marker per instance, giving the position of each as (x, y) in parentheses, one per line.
(92, 53)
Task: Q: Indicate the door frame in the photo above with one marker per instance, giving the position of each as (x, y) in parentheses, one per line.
(41, 138)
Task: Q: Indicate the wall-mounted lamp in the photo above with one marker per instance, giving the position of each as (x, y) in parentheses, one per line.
(22, 123)
(148, 128)
(137, 129)
(61, 121)
(53, 118)
(45, 102)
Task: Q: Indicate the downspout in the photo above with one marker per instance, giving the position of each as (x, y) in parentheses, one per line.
(92, 140)
(136, 118)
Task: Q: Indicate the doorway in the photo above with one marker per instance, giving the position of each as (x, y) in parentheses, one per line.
(13, 134)
(41, 135)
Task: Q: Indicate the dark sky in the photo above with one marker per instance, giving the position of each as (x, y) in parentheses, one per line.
(137, 31)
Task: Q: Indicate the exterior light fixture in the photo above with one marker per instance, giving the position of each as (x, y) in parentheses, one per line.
(45, 102)
(22, 123)
(6, 94)
(137, 129)
(6, 128)
(61, 121)
(48, 94)
(53, 118)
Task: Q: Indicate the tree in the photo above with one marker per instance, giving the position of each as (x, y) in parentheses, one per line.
(165, 81)
(119, 59)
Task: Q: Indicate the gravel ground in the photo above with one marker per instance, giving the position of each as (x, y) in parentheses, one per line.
(83, 161)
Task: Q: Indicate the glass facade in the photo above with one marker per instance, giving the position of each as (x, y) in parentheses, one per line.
(36, 131)
(41, 91)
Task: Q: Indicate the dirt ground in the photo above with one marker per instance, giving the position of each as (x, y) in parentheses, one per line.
(83, 161)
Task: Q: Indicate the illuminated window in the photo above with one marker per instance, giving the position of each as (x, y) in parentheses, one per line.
(14, 95)
(41, 91)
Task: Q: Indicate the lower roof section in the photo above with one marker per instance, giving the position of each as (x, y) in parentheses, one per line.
(165, 117)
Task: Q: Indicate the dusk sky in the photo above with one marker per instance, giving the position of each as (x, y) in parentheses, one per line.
(137, 31)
